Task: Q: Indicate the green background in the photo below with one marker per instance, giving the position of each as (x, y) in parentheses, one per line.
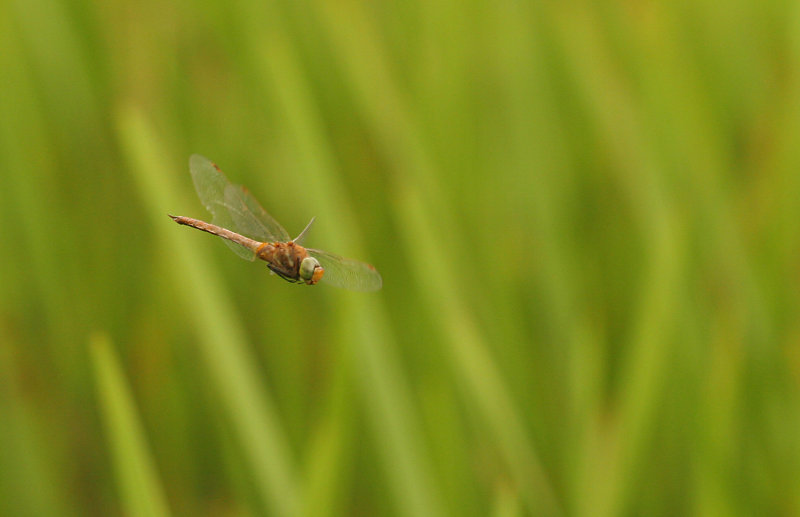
(585, 214)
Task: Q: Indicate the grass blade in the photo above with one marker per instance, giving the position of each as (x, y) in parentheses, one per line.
(136, 472)
(220, 334)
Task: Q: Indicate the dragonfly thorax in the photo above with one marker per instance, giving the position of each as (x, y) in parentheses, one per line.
(291, 262)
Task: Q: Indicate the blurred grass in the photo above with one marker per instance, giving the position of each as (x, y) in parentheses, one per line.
(220, 334)
(585, 216)
(139, 485)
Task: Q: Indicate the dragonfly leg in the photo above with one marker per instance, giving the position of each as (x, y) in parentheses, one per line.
(283, 275)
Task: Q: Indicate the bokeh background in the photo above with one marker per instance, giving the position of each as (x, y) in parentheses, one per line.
(585, 213)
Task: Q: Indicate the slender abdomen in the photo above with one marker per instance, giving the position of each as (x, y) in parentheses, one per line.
(218, 231)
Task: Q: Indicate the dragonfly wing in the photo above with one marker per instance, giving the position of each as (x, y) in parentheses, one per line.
(304, 233)
(249, 218)
(347, 273)
(210, 184)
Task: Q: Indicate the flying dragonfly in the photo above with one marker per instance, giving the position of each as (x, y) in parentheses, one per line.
(252, 233)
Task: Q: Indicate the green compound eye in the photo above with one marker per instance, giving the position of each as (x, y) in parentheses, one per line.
(310, 270)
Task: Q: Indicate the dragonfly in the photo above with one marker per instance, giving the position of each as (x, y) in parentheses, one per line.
(252, 233)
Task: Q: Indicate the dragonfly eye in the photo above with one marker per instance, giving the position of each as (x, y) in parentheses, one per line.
(310, 270)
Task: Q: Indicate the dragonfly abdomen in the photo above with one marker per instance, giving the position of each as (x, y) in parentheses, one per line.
(217, 230)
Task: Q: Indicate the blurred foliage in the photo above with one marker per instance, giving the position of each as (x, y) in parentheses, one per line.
(586, 217)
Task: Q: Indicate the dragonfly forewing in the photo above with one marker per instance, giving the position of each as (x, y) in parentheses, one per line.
(347, 273)
(210, 185)
(233, 207)
(304, 233)
(208, 182)
(249, 216)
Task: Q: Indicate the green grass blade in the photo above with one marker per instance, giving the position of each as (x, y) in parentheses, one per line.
(420, 203)
(137, 478)
(220, 335)
(383, 385)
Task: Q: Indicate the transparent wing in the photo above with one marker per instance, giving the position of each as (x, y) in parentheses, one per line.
(347, 273)
(250, 218)
(304, 233)
(210, 185)
(232, 206)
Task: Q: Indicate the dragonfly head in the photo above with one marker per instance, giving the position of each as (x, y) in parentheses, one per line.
(310, 270)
